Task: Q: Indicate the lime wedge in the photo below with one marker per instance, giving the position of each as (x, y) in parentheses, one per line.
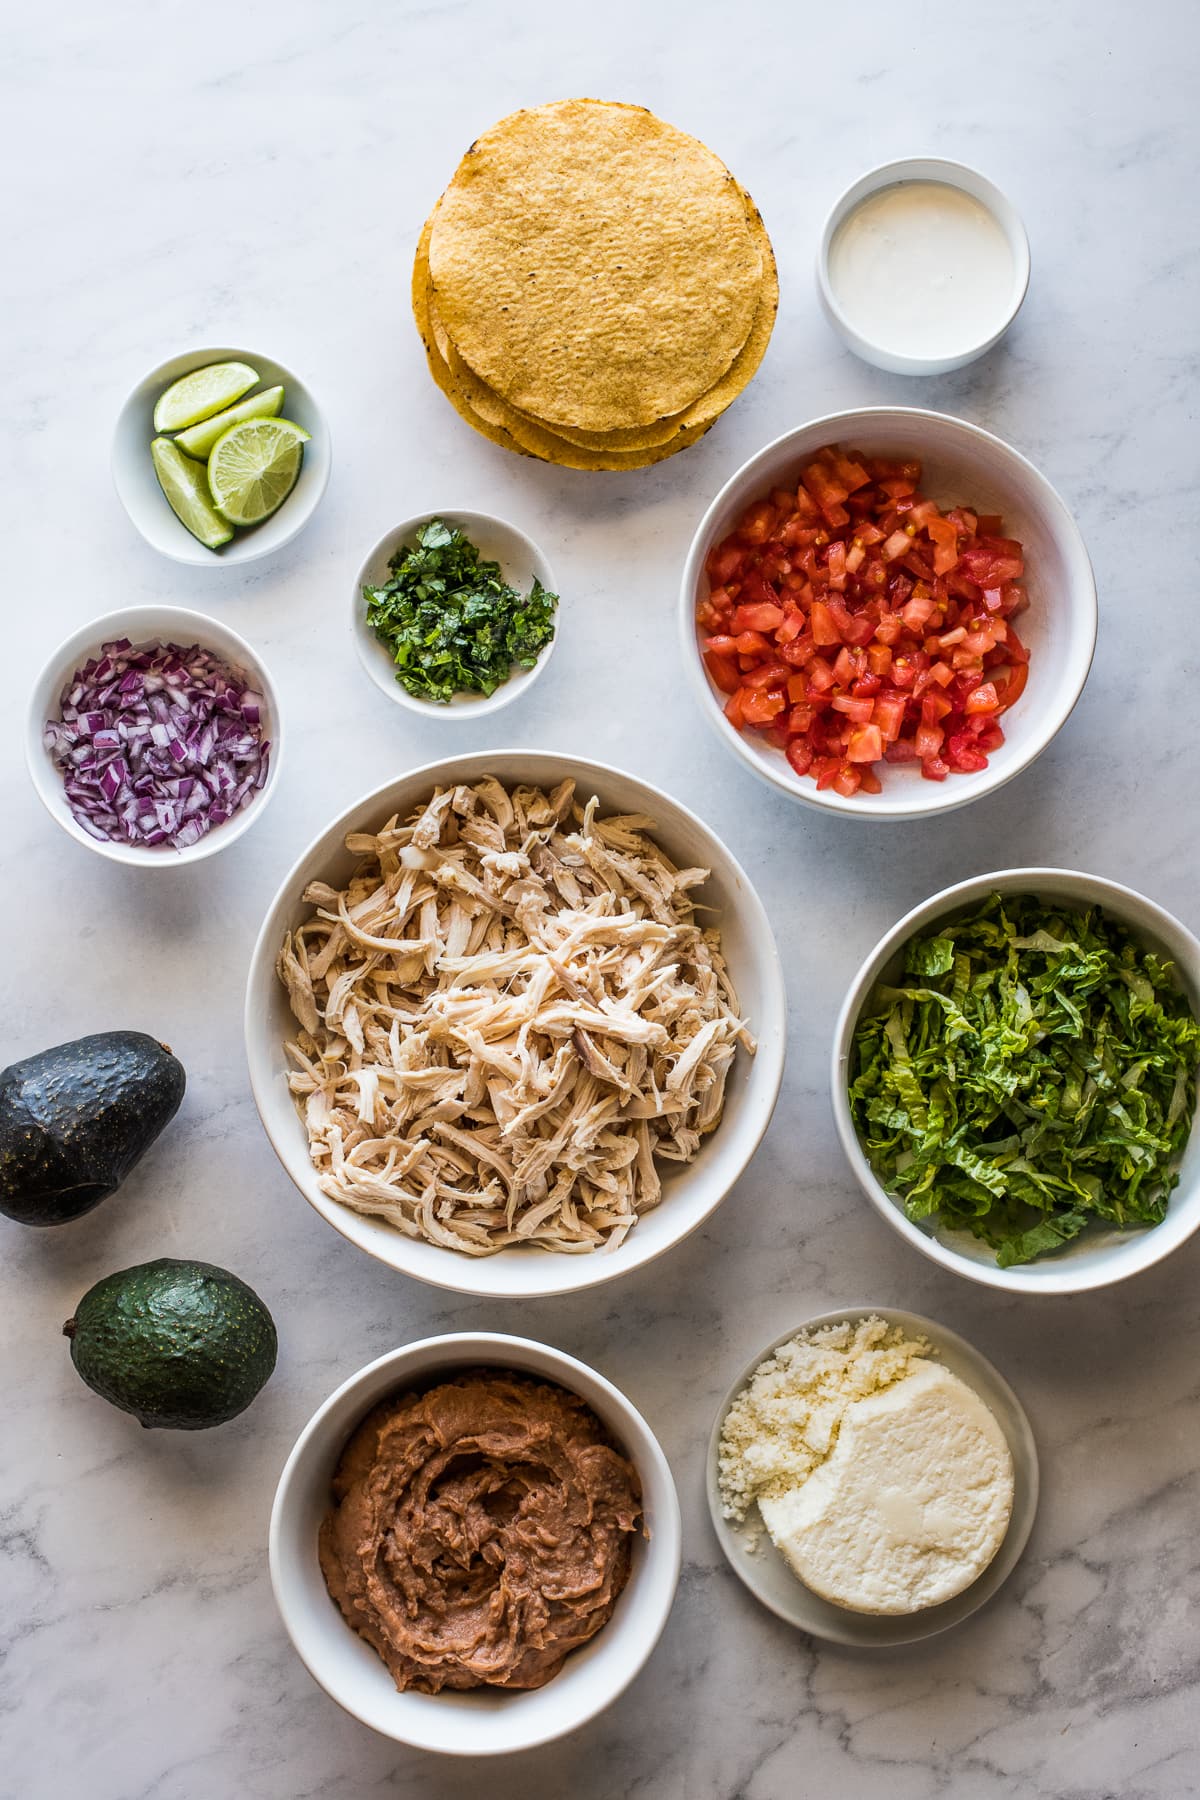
(253, 468)
(185, 484)
(204, 392)
(201, 438)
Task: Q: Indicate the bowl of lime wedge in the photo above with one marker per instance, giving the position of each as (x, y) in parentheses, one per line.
(220, 456)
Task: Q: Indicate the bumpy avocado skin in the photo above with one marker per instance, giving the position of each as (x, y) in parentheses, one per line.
(75, 1119)
(180, 1345)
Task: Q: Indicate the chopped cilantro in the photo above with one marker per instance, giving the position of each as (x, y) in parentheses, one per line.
(451, 621)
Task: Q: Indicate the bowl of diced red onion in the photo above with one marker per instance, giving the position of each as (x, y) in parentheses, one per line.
(887, 613)
(154, 736)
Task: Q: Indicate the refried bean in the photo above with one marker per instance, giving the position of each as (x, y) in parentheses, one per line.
(481, 1530)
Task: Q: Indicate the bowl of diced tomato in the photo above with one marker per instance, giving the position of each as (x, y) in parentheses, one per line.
(888, 612)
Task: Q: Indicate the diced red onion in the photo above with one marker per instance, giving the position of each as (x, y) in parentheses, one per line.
(158, 745)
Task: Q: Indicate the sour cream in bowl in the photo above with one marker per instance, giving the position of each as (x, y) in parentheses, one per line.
(923, 265)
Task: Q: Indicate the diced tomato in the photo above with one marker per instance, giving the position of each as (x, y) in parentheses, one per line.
(945, 540)
(963, 753)
(761, 705)
(889, 716)
(983, 699)
(866, 744)
(854, 622)
(823, 628)
(902, 751)
(723, 563)
(1014, 686)
(764, 616)
(918, 611)
(757, 523)
(858, 711)
(724, 671)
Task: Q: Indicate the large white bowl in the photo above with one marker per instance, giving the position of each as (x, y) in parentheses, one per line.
(1098, 1256)
(520, 563)
(690, 1192)
(147, 625)
(147, 506)
(961, 462)
(484, 1722)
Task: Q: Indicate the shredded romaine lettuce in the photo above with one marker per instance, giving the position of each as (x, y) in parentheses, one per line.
(1036, 1073)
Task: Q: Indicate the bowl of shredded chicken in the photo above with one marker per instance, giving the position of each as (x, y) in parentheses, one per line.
(515, 1023)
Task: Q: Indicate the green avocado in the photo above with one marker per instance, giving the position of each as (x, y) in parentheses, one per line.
(75, 1119)
(180, 1345)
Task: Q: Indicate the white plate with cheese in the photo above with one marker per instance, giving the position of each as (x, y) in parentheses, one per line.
(833, 1549)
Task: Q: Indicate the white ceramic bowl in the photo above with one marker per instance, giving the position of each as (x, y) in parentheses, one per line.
(756, 1562)
(520, 562)
(961, 462)
(147, 625)
(483, 1722)
(952, 174)
(1097, 1257)
(691, 1191)
(145, 502)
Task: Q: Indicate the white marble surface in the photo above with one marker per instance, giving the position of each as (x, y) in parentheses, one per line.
(181, 175)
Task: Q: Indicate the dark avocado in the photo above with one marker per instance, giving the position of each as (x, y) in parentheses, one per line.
(181, 1345)
(74, 1120)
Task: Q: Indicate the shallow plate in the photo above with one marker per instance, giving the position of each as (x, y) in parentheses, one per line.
(768, 1576)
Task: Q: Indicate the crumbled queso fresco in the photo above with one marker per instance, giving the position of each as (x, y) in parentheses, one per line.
(785, 1421)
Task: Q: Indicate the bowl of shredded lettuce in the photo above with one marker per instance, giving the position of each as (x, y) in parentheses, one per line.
(1014, 1080)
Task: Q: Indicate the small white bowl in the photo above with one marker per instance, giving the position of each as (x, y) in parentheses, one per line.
(760, 1566)
(950, 174)
(961, 463)
(690, 1191)
(520, 562)
(147, 625)
(1098, 1257)
(483, 1722)
(147, 505)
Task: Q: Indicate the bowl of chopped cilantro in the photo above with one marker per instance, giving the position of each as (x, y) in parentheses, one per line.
(1014, 1080)
(455, 613)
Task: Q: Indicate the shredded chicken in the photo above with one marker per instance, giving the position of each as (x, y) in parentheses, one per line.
(507, 1016)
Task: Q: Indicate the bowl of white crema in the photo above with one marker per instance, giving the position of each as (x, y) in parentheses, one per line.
(922, 266)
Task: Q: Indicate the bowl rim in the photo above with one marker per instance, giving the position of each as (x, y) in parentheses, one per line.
(768, 1063)
(951, 173)
(1134, 1252)
(464, 708)
(944, 797)
(248, 548)
(1022, 1447)
(446, 1350)
(206, 631)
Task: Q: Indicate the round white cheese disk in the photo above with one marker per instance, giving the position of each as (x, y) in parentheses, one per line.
(910, 1507)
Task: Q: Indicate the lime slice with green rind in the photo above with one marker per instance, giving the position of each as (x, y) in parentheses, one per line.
(185, 483)
(202, 393)
(253, 468)
(199, 440)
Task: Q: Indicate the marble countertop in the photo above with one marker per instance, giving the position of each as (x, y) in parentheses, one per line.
(258, 175)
